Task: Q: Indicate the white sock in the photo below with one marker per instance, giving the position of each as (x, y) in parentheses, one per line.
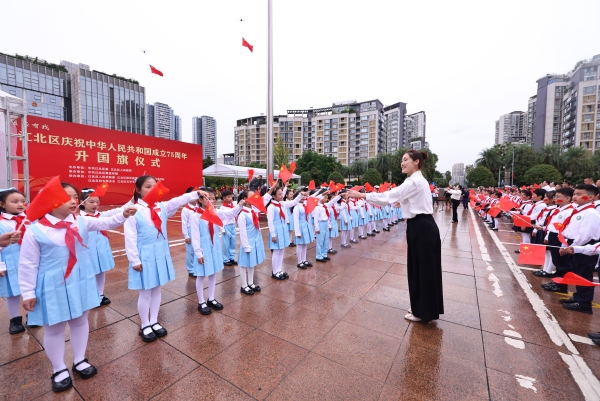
(12, 304)
(100, 280)
(352, 234)
(526, 238)
(344, 237)
(548, 265)
(212, 282)
(54, 346)
(144, 308)
(299, 253)
(330, 243)
(155, 304)
(243, 273)
(80, 331)
(200, 289)
(360, 231)
(250, 275)
(277, 260)
(304, 248)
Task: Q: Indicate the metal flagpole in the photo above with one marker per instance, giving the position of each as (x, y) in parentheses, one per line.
(269, 121)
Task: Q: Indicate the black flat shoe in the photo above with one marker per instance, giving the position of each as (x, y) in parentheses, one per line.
(376, 231)
(553, 287)
(386, 229)
(62, 385)
(16, 325)
(147, 338)
(285, 274)
(541, 273)
(247, 291)
(228, 263)
(577, 307)
(594, 336)
(517, 251)
(233, 262)
(160, 332)
(301, 266)
(370, 235)
(292, 245)
(308, 264)
(279, 276)
(105, 300)
(216, 305)
(566, 300)
(204, 309)
(87, 372)
(321, 260)
(254, 287)
(362, 237)
(327, 258)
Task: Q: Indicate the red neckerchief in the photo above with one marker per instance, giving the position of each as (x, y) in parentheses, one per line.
(230, 205)
(71, 235)
(550, 215)
(97, 216)
(254, 217)
(327, 212)
(335, 213)
(568, 219)
(211, 226)
(156, 218)
(190, 208)
(531, 210)
(348, 204)
(278, 205)
(18, 220)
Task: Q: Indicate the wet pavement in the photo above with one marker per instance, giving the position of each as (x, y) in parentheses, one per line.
(334, 331)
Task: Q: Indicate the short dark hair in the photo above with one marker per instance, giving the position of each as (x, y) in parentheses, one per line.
(526, 192)
(539, 192)
(550, 194)
(566, 191)
(589, 188)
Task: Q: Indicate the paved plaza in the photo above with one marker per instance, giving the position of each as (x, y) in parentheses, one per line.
(334, 331)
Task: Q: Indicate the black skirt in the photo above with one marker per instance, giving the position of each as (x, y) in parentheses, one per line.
(424, 267)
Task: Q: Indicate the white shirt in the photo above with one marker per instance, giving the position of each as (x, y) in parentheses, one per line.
(455, 193)
(537, 209)
(273, 212)
(223, 213)
(29, 259)
(584, 226)
(130, 227)
(319, 215)
(589, 250)
(230, 219)
(413, 194)
(186, 219)
(242, 226)
(11, 225)
(548, 188)
(560, 217)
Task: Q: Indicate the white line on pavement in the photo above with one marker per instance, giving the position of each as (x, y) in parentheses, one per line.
(580, 339)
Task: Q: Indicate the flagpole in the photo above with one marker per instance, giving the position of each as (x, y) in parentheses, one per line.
(269, 121)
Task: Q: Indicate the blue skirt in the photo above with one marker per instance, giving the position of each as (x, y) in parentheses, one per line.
(334, 232)
(253, 258)
(354, 215)
(283, 237)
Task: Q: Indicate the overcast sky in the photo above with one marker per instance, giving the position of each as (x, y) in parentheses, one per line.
(463, 62)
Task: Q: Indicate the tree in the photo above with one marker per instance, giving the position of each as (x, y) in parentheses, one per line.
(372, 176)
(430, 164)
(542, 172)
(383, 163)
(337, 177)
(358, 168)
(319, 166)
(256, 165)
(305, 178)
(281, 154)
(480, 176)
(207, 162)
(525, 158)
(448, 176)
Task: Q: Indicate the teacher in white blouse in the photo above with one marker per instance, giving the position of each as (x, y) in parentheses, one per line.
(424, 260)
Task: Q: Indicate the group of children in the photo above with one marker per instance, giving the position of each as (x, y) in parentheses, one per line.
(567, 221)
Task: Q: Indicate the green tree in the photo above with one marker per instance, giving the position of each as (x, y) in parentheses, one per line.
(383, 163)
(281, 154)
(256, 165)
(480, 176)
(525, 158)
(542, 172)
(372, 176)
(207, 162)
(430, 164)
(337, 177)
(358, 168)
(319, 166)
(448, 176)
(305, 178)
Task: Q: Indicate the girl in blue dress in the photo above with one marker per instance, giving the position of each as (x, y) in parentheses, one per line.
(252, 248)
(333, 208)
(208, 250)
(148, 252)
(345, 219)
(186, 229)
(304, 232)
(289, 196)
(354, 217)
(12, 205)
(58, 284)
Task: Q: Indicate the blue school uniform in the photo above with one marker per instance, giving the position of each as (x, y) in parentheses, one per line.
(290, 217)
(399, 213)
(322, 239)
(211, 250)
(305, 229)
(153, 248)
(255, 241)
(281, 231)
(59, 300)
(9, 284)
(229, 242)
(345, 213)
(334, 232)
(354, 215)
(190, 256)
(100, 252)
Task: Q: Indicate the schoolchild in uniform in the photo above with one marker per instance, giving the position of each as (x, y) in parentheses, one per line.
(354, 210)
(385, 217)
(289, 196)
(252, 248)
(148, 252)
(525, 209)
(345, 219)
(12, 206)
(333, 208)
(541, 232)
(322, 228)
(207, 249)
(186, 228)
(304, 232)
(58, 284)
(362, 219)
(537, 196)
(229, 234)
(538, 220)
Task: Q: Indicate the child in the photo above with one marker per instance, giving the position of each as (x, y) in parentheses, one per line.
(541, 227)
(322, 228)
(58, 283)
(252, 248)
(12, 205)
(304, 233)
(289, 195)
(333, 208)
(362, 219)
(186, 218)
(148, 252)
(524, 210)
(354, 219)
(99, 248)
(345, 219)
(229, 234)
(207, 249)
(278, 236)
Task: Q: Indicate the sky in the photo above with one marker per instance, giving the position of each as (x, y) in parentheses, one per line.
(464, 63)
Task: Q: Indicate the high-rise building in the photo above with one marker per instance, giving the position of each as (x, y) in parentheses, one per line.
(177, 134)
(414, 130)
(458, 173)
(511, 127)
(161, 122)
(531, 111)
(204, 132)
(548, 109)
(347, 131)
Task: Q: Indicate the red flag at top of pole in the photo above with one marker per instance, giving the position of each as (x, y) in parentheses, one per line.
(250, 174)
(155, 71)
(248, 45)
(100, 191)
(311, 185)
(51, 196)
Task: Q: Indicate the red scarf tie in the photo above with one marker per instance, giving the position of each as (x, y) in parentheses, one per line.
(156, 218)
(254, 218)
(327, 212)
(568, 219)
(97, 216)
(550, 215)
(18, 220)
(71, 235)
(211, 226)
(190, 208)
(278, 205)
(348, 204)
(335, 213)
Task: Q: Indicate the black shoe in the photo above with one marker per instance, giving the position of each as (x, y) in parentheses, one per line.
(247, 291)
(216, 305)
(376, 231)
(370, 235)
(333, 251)
(594, 336)
(33, 326)
(301, 266)
(577, 307)
(401, 219)
(541, 273)
(191, 275)
(386, 229)
(327, 258)
(330, 251)
(228, 263)
(16, 325)
(292, 245)
(105, 300)
(233, 262)
(493, 229)
(62, 385)
(87, 372)
(362, 237)
(596, 341)
(321, 260)
(566, 300)
(147, 338)
(307, 264)
(204, 309)
(160, 332)
(278, 276)
(354, 241)
(553, 287)
(517, 251)
(254, 287)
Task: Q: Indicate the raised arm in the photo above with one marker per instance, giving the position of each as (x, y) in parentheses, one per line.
(174, 204)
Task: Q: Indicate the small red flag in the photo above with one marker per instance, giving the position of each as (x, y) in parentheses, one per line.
(271, 180)
(506, 204)
(394, 185)
(248, 45)
(560, 227)
(292, 167)
(494, 211)
(431, 187)
(311, 185)
(51, 196)
(531, 254)
(211, 216)
(155, 71)
(523, 187)
(250, 174)
(323, 185)
(155, 194)
(257, 201)
(536, 186)
(356, 188)
(332, 186)
(101, 190)
(311, 203)
(574, 279)
(339, 187)
(369, 187)
(284, 174)
(521, 221)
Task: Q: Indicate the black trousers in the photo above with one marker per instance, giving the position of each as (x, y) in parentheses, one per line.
(583, 265)
(465, 202)
(424, 267)
(560, 262)
(455, 204)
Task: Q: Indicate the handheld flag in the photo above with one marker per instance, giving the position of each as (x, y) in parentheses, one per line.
(257, 201)
(356, 188)
(494, 211)
(292, 167)
(250, 174)
(324, 185)
(248, 45)
(311, 203)
(560, 227)
(506, 204)
(369, 187)
(311, 185)
(51, 196)
(536, 186)
(271, 180)
(531, 254)
(332, 186)
(155, 71)
(339, 187)
(101, 190)
(521, 221)
(155, 194)
(284, 174)
(574, 279)
(211, 216)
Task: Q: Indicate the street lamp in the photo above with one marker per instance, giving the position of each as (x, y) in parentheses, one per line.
(499, 170)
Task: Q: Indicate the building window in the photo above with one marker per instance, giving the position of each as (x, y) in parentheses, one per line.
(588, 90)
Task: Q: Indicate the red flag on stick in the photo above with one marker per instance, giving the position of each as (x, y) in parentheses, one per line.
(271, 180)
(339, 187)
(211, 216)
(574, 279)
(560, 228)
(257, 201)
(292, 167)
(51, 196)
(155, 194)
(311, 185)
(494, 211)
(324, 185)
(248, 45)
(369, 187)
(521, 221)
(356, 188)
(506, 204)
(284, 174)
(311, 203)
(250, 174)
(332, 186)
(531, 254)
(155, 71)
(101, 190)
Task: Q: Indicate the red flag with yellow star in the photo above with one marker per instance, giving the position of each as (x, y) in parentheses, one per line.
(100, 191)
(211, 216)
(521, 221)
(532, 254)
(311, 185)
(51, 196)
(574, 279)
(560, 227)
(155, 194)
(311, 203)
(257, 201)
(284, 174)
(494, 211)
